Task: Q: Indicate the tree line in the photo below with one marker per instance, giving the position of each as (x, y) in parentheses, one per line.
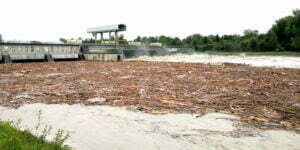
(284, 35)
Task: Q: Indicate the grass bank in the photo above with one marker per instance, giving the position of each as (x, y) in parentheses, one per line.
(12, 138)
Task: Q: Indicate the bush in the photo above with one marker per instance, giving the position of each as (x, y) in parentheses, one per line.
(12, 138)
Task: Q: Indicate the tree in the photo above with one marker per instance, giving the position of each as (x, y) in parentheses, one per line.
(36, 42)
(250, 40)
(63, 40)
(121, 37)
(268, 42)
(194, 41)
(1, 40)
(250, 33)
(295, 40)
(287, 31)
(88, 40)
(137, 39)
(217, 38)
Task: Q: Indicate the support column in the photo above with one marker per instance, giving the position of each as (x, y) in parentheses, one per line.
(109, 35)
(101, 36)
(95, 35)
(116, 37)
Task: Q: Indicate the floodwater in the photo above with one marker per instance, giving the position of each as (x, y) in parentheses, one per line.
(258, 61)
(115, 128)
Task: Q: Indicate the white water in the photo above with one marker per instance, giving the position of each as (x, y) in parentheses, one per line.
(258, 61)
(114, 128)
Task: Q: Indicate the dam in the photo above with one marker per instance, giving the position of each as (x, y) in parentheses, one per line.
(101, 50)
(10, 52)
(29, 51)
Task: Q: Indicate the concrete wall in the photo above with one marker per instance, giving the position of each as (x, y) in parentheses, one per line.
(102, 52)
(96, 48)
(103, 57)
(26, 51)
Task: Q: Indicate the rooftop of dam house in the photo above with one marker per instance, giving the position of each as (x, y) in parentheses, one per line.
(105, 29)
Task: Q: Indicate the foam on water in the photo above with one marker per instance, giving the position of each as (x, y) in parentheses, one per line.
(258, 61)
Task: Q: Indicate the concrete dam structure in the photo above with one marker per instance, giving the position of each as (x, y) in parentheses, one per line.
(10, 52)
(29, 51)
(101, 52)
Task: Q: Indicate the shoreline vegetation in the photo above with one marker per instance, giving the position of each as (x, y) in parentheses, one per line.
(13, 138)
(284, 35)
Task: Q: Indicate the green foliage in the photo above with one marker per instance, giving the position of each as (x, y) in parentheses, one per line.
(287, 31)
(1, 38)
(161, 39)
(11, 138)
(137, 39)
(63, 40)
(36, 42)
(284, 35)
(91, 40)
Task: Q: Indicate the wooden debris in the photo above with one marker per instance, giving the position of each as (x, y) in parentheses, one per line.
(261, 96)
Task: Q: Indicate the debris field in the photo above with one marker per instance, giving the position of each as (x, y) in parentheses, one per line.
(265, 97)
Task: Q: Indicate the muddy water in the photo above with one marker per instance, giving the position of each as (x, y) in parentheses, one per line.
(258, 61)
(109, 128)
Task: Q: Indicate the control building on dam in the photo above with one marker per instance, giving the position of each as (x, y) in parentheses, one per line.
(10, 52)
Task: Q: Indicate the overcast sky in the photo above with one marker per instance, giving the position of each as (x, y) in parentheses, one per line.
(48, 20)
